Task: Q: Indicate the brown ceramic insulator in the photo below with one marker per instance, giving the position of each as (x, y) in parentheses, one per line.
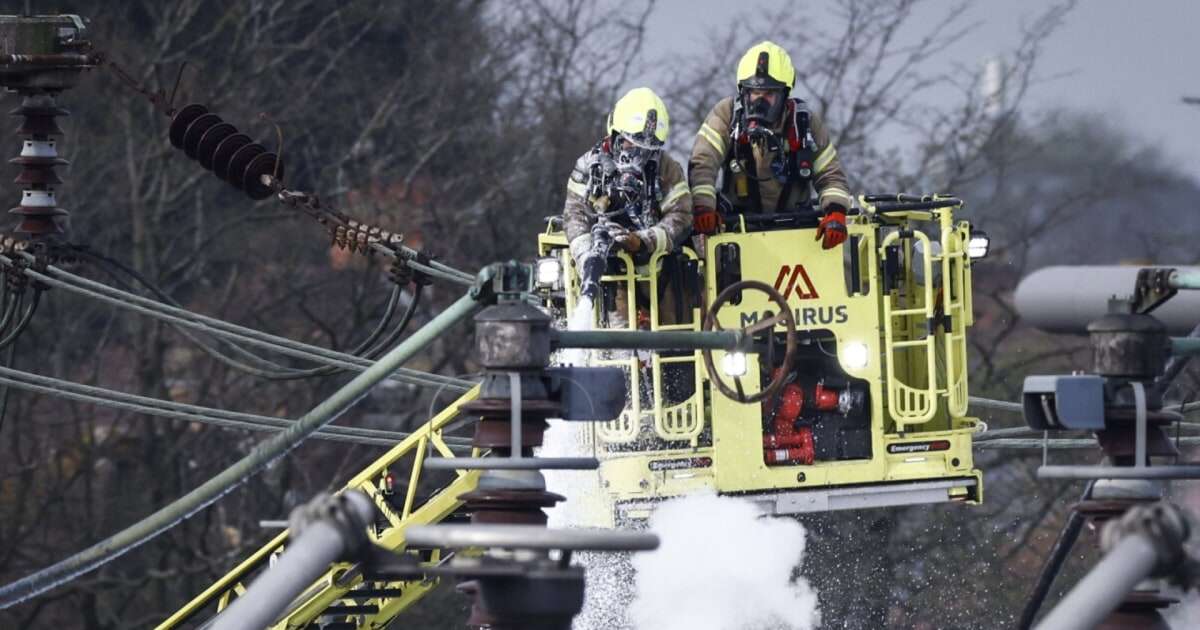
(39, 126)
(240, 160)
(38, 108)
(182, 120)
(38, 162)
(38, 221)
(206, 150)
(224, 153)
(496, 434)
(195, 131)
(38, 176)
(218, 147)
(537, 408)
(509, 505)
(262, 164)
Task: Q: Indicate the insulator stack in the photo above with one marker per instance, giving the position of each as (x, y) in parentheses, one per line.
(40, 216)
(218, 146)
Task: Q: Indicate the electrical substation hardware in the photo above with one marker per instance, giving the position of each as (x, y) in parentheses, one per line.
(42, 56)
(1064, 403)
(1122, 405)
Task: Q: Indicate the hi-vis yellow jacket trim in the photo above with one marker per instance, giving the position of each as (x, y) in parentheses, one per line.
(712, 150)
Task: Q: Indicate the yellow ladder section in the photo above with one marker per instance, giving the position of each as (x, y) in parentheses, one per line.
(343, 595)
(682, 421)
(911, 404)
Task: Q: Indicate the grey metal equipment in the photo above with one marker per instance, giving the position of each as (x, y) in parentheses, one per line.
(833, 499)
(1147, 541)
(325, 530)
(1067, 299)
(519, 584)
(1122, 404)
(262, 455)
(528, 537)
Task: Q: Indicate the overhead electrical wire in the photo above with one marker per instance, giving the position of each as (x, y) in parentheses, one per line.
(272, 370)
(1058, 443)
(194, 413)
(58, 278)
(233, 476)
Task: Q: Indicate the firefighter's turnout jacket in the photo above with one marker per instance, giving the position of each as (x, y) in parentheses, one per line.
(714, 151)
(670, 216)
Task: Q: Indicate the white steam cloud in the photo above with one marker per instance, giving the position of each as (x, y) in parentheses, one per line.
(722, 566)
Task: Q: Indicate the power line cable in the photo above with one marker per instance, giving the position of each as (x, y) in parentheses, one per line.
(364, 348)
(1057, 443)
(182, 317)
(262, 455)
(182, 411)
(113, 267)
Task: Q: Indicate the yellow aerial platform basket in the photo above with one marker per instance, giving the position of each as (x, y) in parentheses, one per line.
(874, 406)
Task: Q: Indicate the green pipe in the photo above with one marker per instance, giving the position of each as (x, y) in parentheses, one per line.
(651, 340)
(1184, 280)
(1185, 346)
(258, 459)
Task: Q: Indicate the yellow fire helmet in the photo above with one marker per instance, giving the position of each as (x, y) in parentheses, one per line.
(640, 117)
(766, 65)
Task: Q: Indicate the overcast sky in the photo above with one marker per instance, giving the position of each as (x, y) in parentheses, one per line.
(1132, 61)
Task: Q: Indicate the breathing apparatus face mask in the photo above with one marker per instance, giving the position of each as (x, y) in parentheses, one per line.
(761, 114)
(633, 157)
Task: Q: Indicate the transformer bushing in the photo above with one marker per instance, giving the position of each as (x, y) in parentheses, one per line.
(44, 55)
(40, 216)
(522, 587)
(1129, 345)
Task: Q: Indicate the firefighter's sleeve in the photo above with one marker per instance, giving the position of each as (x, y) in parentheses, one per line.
(828, 177)
(676, 207)
(576, 222)
(709, 153)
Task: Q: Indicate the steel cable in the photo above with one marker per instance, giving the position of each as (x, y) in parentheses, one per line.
(182, 317)
(365, 348)
(25, 319)
(183, 411)
(1057, 443)
(262, 455)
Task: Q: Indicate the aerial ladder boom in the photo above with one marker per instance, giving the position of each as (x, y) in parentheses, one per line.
(347, 594)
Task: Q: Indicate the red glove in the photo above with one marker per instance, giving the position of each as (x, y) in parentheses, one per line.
(832, 229)
(705, 220)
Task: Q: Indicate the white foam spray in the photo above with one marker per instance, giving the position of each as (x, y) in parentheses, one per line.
(1186, 614)
(569, 439)
(581, 319)
(609, 575)
(722, 566)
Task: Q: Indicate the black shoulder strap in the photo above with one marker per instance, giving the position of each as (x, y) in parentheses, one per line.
(800, 151)
(744, 153)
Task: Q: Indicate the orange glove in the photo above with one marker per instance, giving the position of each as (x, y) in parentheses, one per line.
(705, 220)
(831, 231)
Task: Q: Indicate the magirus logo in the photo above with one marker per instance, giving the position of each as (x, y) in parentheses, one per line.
(795, 278)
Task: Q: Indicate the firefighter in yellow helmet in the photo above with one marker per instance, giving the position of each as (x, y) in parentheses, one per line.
(771, 148)
(625, 192)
